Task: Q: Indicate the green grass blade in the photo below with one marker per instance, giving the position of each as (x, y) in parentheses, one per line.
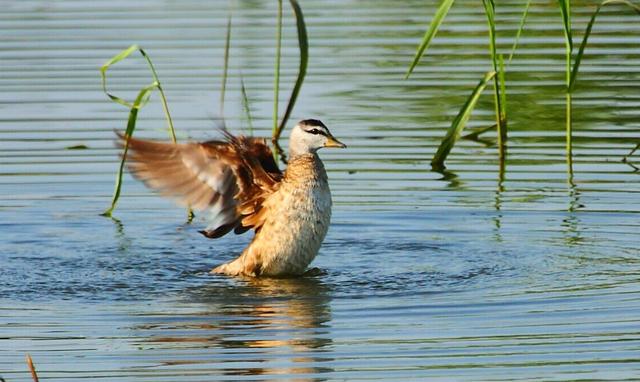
(103, 73)
(498, 80)
(503, 89)
(587, 33)
(502, 132)
(303, 44)
(121, 56)
(475, 134)
(490, 12)
(583, 45)
(523, 20)
(167, 114)
(141, 100)
(246, 105)
(453, 133)
(565, 10)
(276, 76)
(437, 20)
(163, 97)
(225, 69)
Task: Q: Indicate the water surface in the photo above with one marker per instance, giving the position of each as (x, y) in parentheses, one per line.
(467, 275)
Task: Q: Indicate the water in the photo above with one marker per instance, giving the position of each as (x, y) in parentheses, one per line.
(424, 276)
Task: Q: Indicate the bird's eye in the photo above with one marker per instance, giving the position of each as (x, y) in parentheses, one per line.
(314, 131)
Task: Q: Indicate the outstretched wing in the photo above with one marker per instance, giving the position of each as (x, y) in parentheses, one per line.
(228, 179)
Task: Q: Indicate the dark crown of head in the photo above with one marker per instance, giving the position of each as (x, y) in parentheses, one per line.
(312, 123)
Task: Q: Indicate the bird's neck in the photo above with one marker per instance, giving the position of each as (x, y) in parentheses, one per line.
(304, 166)
(298, 148)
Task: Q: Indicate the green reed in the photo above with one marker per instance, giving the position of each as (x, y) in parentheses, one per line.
(497, 60)
(303, 45)
(225, 76)
(145, 93)
(246, 105)
(523, 20)
(587, 33)
(572, 67)
(565, 10)
(437, 20)
(225, 68)
(276, 75)
(498, 85)
(139, 102)
(454, 131)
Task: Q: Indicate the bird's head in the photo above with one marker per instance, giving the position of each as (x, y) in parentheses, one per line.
(309, 135)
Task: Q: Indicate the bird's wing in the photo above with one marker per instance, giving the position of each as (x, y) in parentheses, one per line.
(228, 179)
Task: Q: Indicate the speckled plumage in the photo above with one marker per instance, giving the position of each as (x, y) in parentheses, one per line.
(238, 184)
(297, 221)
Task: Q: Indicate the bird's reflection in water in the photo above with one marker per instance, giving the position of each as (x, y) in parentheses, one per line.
(253, 327)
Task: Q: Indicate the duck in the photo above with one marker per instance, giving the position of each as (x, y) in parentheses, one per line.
(237, 183)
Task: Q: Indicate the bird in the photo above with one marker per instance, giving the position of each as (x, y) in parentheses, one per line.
(237, 183)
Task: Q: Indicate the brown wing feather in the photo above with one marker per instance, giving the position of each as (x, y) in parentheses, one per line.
(229, 179)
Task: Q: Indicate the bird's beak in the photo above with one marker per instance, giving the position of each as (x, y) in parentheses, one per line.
(333, 142)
